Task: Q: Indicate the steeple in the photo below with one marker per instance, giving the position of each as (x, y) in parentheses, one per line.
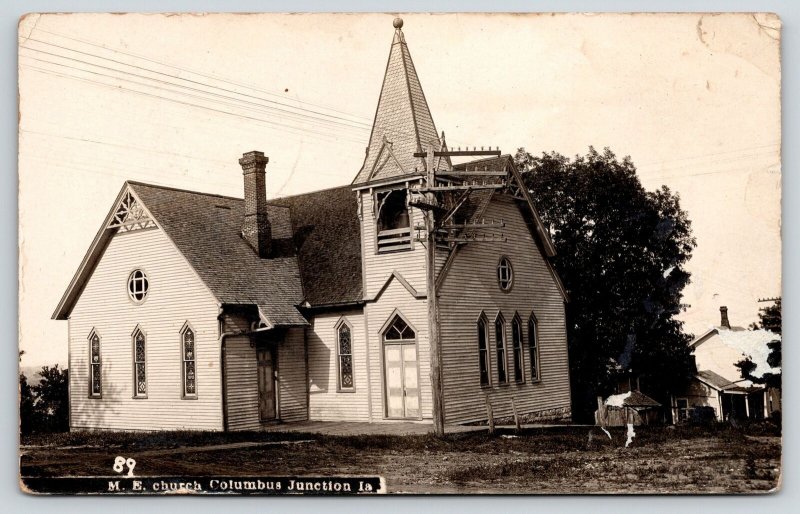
(403, 123)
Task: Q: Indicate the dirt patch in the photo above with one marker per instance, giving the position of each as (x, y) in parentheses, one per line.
(715, 459)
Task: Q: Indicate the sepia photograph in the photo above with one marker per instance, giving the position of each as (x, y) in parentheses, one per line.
(404, 253)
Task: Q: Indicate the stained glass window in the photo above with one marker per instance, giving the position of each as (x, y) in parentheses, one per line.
(139, 364)
(95, 377)
(138, 285)
(533, 346)
(189, 358)
(483, 351)
(500, 335)
(345, 357)
(516, 335)
(399, 330)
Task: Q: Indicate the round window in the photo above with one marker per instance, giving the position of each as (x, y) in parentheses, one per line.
(138, 286)
(505, 274)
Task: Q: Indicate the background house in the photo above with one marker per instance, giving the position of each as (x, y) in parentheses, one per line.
(718, 383)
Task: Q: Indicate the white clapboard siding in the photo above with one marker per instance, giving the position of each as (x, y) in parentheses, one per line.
(416, 312)
(176, 295)
(378, 266)
(292, 388)
(326, 402)
(471, 287)
(241, 384)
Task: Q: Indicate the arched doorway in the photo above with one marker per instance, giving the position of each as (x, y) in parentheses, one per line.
(401, 369)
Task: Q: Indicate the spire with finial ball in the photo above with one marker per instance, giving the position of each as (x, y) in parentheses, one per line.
(398, 23)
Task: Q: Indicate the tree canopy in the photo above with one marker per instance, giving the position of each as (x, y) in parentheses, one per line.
(44, 407)
(621, 252)
(769, 319)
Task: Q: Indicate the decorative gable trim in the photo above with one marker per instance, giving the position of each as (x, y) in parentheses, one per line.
(131, 215)
(90, 260)
(109, 229)
(397, 276)
(381, 160)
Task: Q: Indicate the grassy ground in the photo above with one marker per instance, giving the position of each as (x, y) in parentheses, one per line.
(714, 459)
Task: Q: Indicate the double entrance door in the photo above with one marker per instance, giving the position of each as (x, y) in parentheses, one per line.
(402, 380)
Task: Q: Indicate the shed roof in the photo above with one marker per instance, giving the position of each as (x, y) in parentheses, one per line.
(713, 379)
(631, 399)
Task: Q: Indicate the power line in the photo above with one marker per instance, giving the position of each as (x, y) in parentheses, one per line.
(291, 129)
(269, 109)
(201, 74)
(409, 135)
(149, 70)
(130, 147)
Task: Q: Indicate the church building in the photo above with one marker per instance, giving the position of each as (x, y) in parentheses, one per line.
(205, 312)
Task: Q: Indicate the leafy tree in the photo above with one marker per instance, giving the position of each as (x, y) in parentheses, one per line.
(770, 319)
(27, 414)
(621, 252)
(52, 399)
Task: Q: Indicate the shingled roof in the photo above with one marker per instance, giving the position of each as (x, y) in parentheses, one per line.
(327, 236)
(207, 228)
(403, 123)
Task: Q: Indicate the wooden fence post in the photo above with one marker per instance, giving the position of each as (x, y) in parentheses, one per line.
(490, 415)
(516, 416)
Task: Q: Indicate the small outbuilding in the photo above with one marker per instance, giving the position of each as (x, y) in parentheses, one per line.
(633, 407)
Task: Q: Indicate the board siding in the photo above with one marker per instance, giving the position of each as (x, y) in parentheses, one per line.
(326, 402)
(292, 390)
(396, 296)
(241, 384)
(378, 266)
(470, 288)
(176, 295)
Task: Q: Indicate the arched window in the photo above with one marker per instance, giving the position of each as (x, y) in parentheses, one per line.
(516, 340)
(393, 220)
(139, 364)
(483, 350)
(95, 362)
(188, 360)
(500, 338)
(398, 330)
(533, 346)
(344, 337)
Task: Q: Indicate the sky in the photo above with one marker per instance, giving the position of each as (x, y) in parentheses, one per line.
(175, 100)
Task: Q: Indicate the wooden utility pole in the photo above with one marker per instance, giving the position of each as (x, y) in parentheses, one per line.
(432, 226)
(433, 307)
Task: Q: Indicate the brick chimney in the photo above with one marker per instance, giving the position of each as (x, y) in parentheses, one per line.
(723, 314)
(256, 228)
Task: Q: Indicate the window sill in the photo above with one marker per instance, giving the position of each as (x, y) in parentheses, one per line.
(393, 250)
(139, 397)
(346, 390)
(189, 397)
(95, 396)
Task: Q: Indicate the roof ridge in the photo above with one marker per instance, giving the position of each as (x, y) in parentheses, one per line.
(181, 190)
(216, 195)
(482, 159)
